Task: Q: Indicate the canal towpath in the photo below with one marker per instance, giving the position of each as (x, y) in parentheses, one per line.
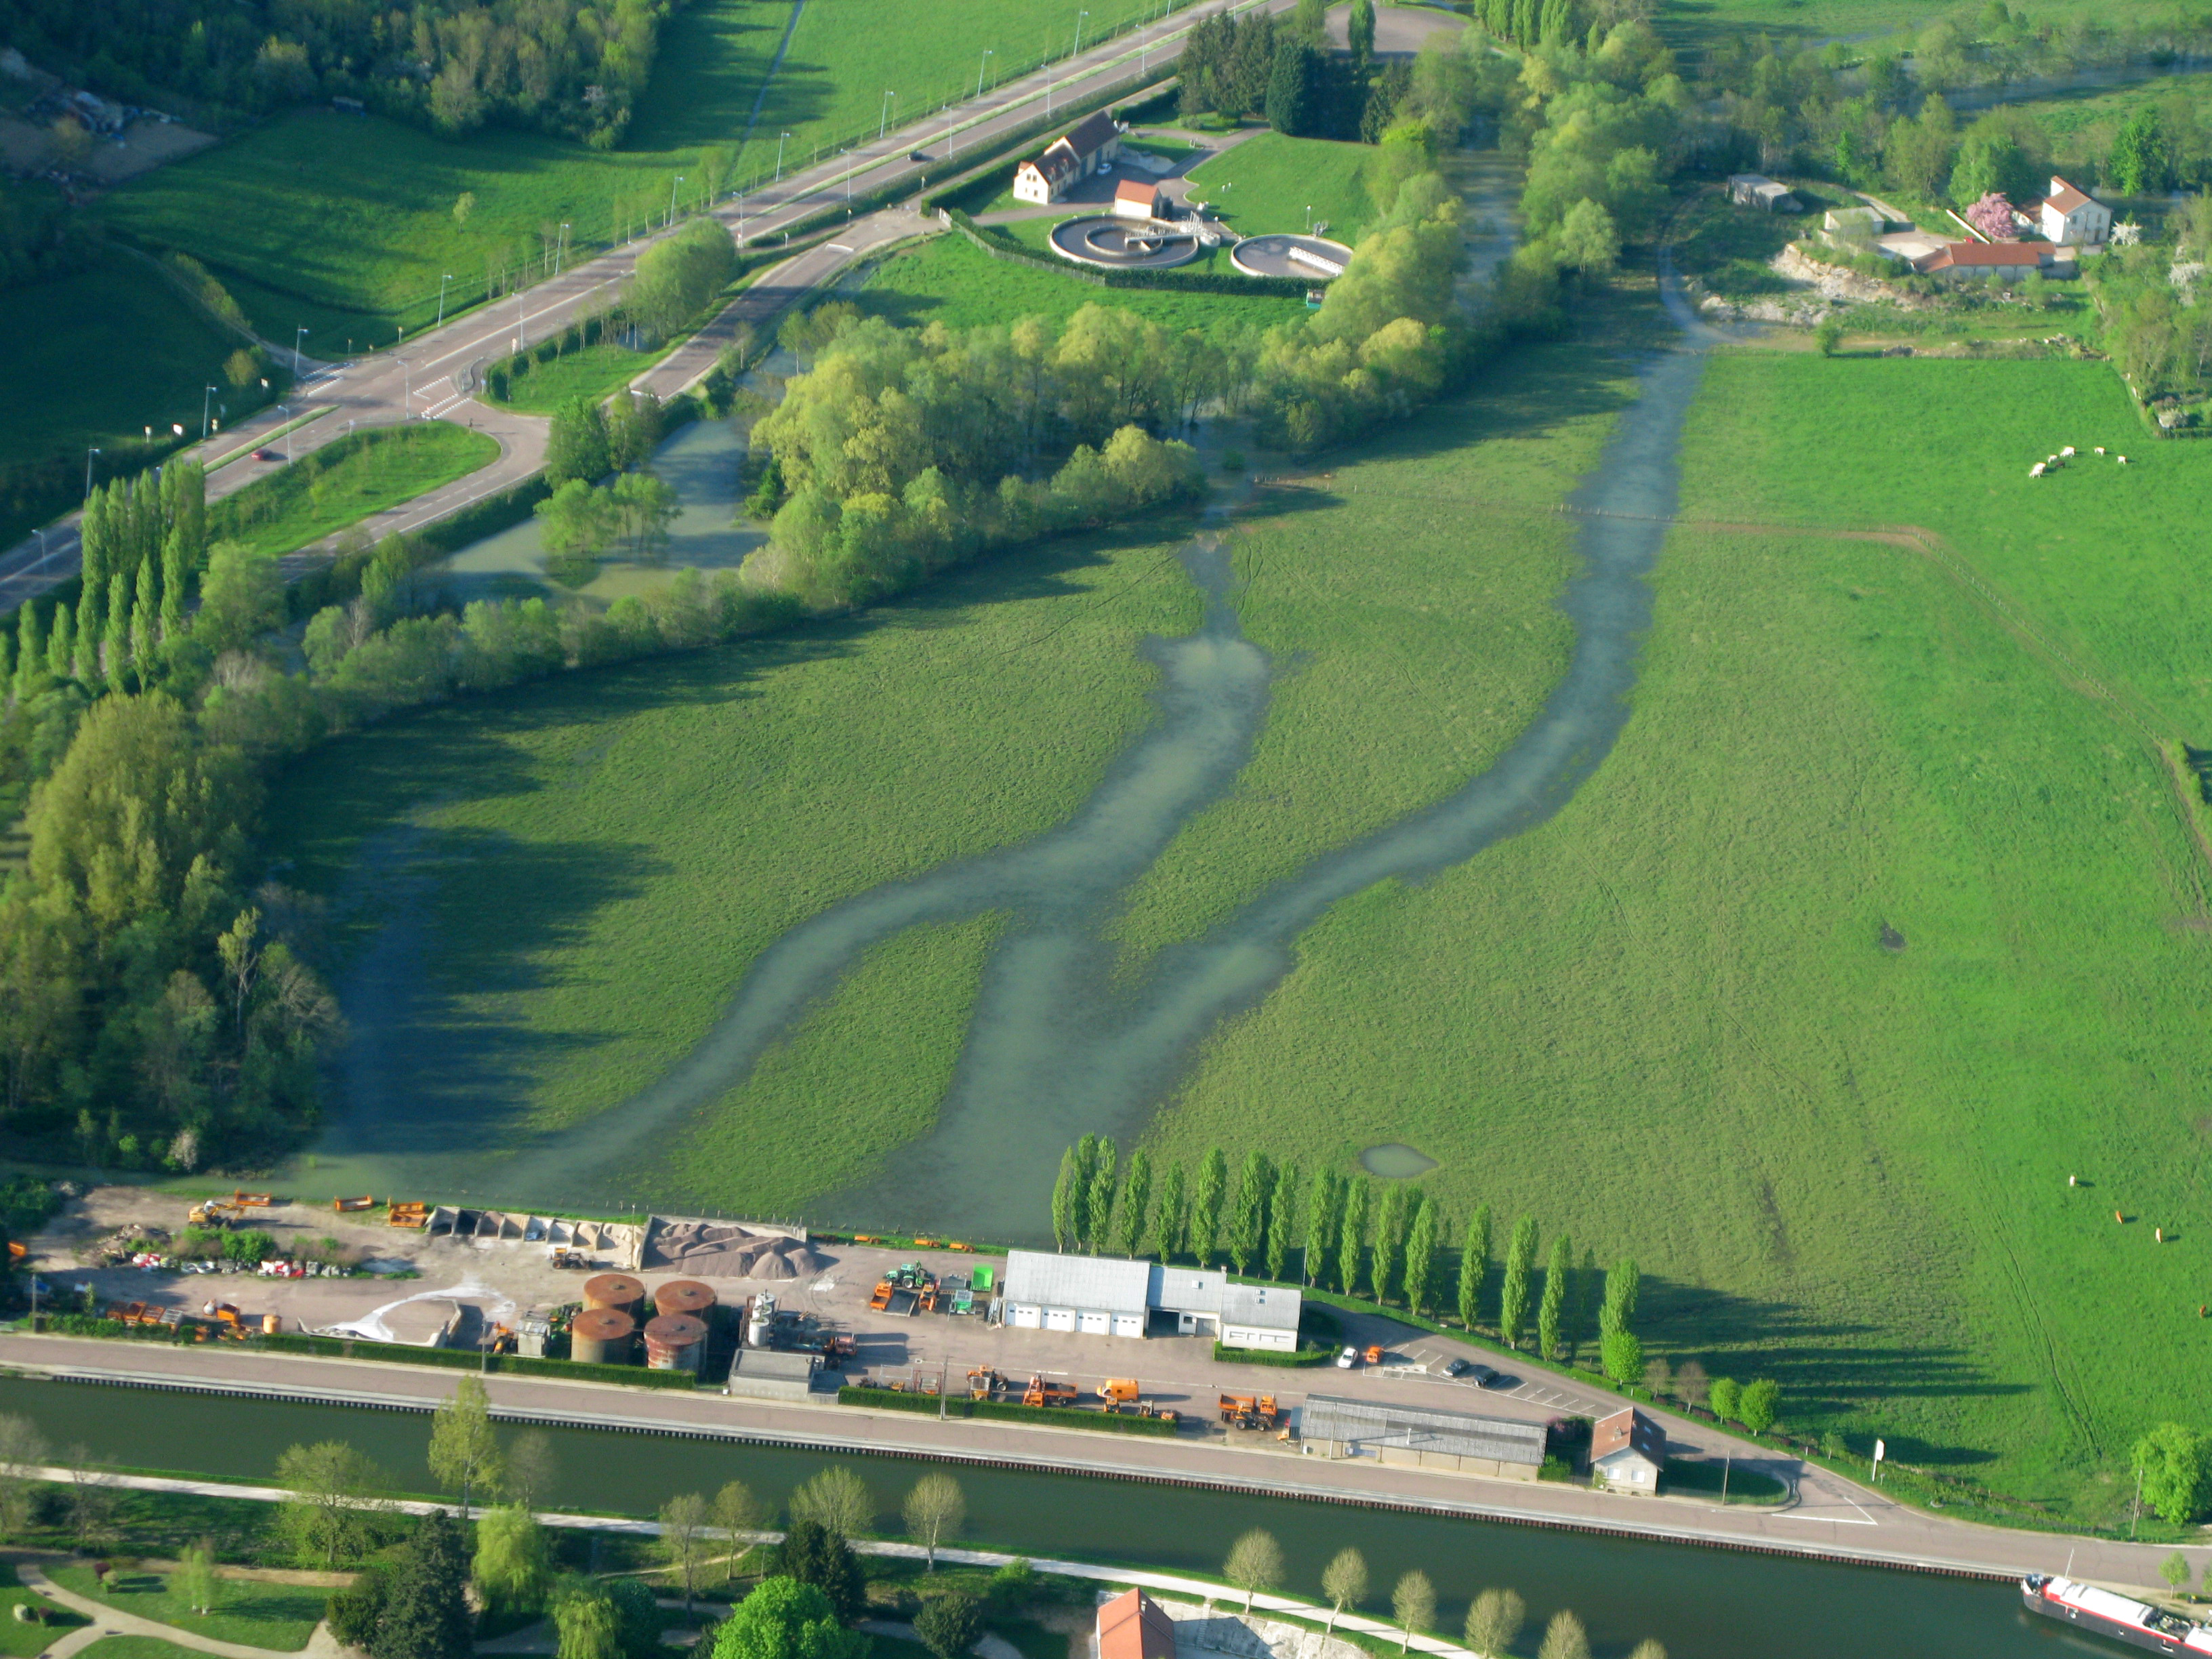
(1832, 1520)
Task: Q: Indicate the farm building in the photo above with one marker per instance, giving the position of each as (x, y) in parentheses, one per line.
(1074, 155)
(1135, 200)
(1457, 1442)
(2073, 219)
(2003, 261)
(1133, 1626)
(1628, 1452)
(1757, 190)
(1094, 1297)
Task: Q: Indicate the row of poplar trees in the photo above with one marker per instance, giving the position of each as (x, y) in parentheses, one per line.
(1339, 1234)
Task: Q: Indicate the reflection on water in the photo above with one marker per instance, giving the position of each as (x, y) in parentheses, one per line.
(1702, 1604)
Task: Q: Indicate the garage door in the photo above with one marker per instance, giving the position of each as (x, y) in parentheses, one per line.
(1026, 1316)
(1128, 1324)
(1094, 1324)
(1059, 1318)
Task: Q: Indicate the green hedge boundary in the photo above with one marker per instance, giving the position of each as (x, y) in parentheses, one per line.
(1226, 1355)
(898, 1399)
(337, 1347)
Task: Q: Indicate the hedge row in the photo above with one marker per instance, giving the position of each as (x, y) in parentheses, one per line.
(337, 1347)
(899, 1399)
(1226, 1355)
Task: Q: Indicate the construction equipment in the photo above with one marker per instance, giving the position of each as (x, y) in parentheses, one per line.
(570, 1260)
(836, 1350)
(252, 1200)
(410, 1214)
(214, 1213)
(1165, 1413)
(1246, 1411)
(1042, 1393)
(343, 1205)
(985, 1383)
(881, 1298)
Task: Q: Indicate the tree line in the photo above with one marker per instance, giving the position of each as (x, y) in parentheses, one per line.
(562, 66)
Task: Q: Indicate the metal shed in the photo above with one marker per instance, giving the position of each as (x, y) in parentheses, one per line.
(1458, 1442)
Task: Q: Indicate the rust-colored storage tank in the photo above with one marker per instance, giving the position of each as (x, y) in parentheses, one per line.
(675, 1342)
(685, 1296)
(614, 1291)
(602, 1336)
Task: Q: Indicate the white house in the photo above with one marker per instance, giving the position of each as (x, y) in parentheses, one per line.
(1097, 1296)
(2072, 219)
(1628, 1452)
(1075, 155)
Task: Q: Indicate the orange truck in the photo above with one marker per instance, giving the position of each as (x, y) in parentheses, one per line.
(1248, 1410)
(1121, 1391)
(1042, 1393)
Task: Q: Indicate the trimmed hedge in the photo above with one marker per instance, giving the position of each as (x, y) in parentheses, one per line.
(337, 1347)
(898, 1399)
(1226, 1355)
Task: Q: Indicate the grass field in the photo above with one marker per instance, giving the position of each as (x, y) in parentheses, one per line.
(1271, 183)
(19, 1640)
(602, 854)
(597, 372)
(949, 280)
(345, 223)
(1849, 1161)
(154, 354)
(348, 480)
(247, 1611)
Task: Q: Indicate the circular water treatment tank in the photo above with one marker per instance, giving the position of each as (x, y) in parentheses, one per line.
(614, 1291)
(602, 1336)
(675, 1342)
(684, 1296)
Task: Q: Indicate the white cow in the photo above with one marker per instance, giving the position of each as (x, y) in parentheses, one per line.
(2067, 452)
(2035, 472)
(2124, 460)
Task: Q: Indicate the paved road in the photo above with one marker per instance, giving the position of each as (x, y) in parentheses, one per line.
(431, 376)
(1858, 1525)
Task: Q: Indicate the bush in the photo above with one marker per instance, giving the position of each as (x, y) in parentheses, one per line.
(949, 1624)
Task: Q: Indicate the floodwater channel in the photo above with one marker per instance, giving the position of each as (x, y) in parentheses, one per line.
(1701, 1603)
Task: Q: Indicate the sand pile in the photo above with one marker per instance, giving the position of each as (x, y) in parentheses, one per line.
(717, 1250)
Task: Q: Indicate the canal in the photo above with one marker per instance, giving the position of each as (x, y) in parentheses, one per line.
(1702, 1603)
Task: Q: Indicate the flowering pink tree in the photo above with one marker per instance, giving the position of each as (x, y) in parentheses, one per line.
(1993, 217)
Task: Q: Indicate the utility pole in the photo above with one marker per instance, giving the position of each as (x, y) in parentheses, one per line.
(883, 115)
(978, 71)
(779, 156)
(298, 334)
(442, 281)
(2135, 1513)
(204, 428)
(1079, 16)
(89, 453)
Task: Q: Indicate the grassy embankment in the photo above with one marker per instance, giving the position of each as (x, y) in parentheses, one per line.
(348, 480)
(949, 279)
(602, 853)
(1841, 1155)
(346, 223)
(255, 1614)
(1271, 183)
(94, 360)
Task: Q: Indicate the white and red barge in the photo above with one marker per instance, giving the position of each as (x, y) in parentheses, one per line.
(2136, 1623)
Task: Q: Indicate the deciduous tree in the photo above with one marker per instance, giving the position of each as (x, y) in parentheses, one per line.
(1564, 1638)
(1493, 1622)
(1255, 1564)
(1551, 1313)
(1760, 1405)
(837, 1499)
(1247, 1222)
(685, 1540)
(1205, 1205)
(334, 1504)
(1129, 1217)
(465, 1453)
(1520, 1268)
(1473, 1264)
(1344, 1582)
(933, 1511)
(513, 1568)
(2175, 1464)
(736, 1512)
(1413, 1605)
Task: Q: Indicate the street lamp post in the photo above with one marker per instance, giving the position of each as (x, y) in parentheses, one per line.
(88, 454)
(442, 281)
(285, 410)
(204, 415)
(299, 335)
(1079, 16)
(980, 68)
(407, 400)
(42, 548)
(883, 116)
(561, 249)
(779, 156)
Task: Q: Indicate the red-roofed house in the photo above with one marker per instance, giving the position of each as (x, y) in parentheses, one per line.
(2072, 219)
(1628, 1452)
(1132, 1627)
(1076, 154)
(2002, 261)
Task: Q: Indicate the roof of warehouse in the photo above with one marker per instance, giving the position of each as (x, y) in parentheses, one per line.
(1087, 1283)
(1327, 1417)
(1187, 1290)
(1261, 1307)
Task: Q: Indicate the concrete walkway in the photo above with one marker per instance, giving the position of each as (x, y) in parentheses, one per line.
(113, 1621)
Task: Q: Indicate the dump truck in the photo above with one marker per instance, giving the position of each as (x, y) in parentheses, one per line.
(1247, 1411)
(1042, 1393)
(985, 1383)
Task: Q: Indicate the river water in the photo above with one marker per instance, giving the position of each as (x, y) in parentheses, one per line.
(1703, 1604)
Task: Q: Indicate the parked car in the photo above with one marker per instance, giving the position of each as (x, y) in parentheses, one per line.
(1486, 1378)
(1458, 1367)
(267, 455)
(917, 155)
(1347, 1359)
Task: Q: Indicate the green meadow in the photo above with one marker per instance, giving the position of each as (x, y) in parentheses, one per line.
(1872, 930)
(346, 223)
(348, 480)
(1271, 183)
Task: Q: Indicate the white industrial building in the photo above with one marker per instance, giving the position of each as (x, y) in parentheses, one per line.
(1097, 1296)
